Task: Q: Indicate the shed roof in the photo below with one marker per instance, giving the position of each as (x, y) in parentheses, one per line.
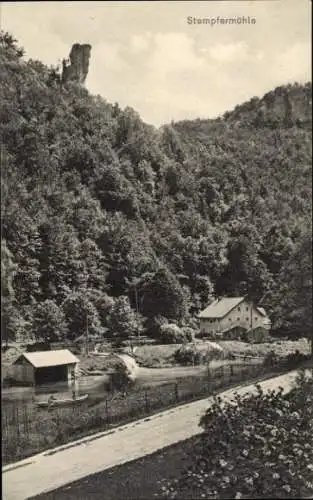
(41, 359)
(219, 308)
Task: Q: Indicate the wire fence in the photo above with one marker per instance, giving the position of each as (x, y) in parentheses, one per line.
(27, 430)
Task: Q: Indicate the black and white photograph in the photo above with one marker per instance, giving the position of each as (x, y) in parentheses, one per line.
(156, 250)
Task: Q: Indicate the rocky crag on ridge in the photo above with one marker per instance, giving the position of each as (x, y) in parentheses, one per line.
(76, 68)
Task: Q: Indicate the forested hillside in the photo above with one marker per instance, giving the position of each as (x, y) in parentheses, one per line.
(108, 220)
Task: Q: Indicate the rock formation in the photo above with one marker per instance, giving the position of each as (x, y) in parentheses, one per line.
(76, 68)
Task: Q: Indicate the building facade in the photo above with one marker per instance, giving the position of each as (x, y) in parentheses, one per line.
(230, 312)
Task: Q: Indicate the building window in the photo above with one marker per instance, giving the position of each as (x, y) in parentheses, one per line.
(247, 319)
(238, 319)
(238, 309)
(255, 318)
(229, 319)
(247, 308)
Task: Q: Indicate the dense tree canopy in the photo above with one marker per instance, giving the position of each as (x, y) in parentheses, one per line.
(293, 302)
(49, 321)
(97, 205)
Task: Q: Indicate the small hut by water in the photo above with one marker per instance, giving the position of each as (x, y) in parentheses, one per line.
(44, 367)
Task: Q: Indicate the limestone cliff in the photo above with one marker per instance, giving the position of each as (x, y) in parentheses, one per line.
(76, 68)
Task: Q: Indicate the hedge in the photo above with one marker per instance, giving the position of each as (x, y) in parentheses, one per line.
(258, 446)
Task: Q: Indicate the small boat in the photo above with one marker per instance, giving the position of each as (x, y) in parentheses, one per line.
(61, 402)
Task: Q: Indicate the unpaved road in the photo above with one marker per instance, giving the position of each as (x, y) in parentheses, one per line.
(44, 472)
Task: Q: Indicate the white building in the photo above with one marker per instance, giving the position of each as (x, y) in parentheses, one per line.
(229, 312)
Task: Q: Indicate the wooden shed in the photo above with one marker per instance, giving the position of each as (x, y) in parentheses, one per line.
(43, 367)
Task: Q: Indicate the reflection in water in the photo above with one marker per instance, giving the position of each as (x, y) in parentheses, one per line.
(83, 385)
(98, 385)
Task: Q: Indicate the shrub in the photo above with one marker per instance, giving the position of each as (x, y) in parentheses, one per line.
(188, 355)
(121, 377)
(270, 359)
(214, 351)
(193, 355)
(153, 326)
(103, 347)
(258, 446)
(189, 333)
(295, 359)
(193, 323)
(291, 360)
(171, 334)
(120, 380)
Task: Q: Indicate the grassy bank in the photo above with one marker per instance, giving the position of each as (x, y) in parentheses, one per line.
(158, 356)
(163, 355)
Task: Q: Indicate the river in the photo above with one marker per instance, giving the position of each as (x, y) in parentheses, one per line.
(97, 385)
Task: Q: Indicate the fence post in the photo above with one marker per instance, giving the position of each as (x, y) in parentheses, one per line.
(146, 402)
(107, 410)
(209, 381)
(17, 422)
(25, 420)
(176, 392)
(13, 414)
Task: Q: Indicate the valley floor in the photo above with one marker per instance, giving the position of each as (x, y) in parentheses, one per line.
(48, 471)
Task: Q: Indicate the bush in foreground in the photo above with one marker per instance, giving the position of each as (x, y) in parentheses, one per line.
(259, 446)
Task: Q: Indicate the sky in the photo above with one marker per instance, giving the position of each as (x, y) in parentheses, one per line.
(147, 56)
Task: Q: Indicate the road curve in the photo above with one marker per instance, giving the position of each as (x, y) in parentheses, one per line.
(49, 470)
